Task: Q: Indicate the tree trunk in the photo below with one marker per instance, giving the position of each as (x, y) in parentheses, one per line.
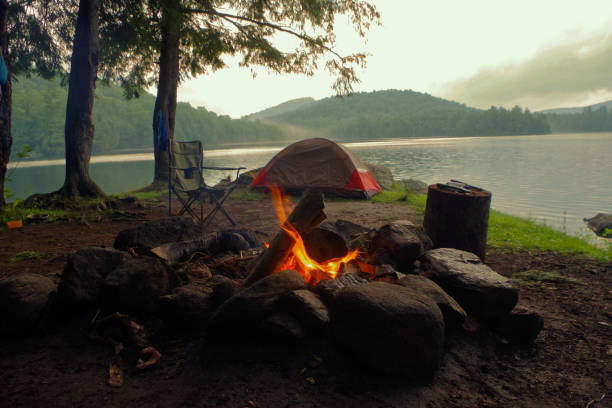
(166, 89)
(6, 140)
(79, 129)
(458, 220)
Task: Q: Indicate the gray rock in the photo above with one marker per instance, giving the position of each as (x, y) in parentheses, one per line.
(23, 298)
(521, 325)
(233, 241)
(85, 272)
(192, 304)
(187, 305)
(387, 273)
(390, 328)
(481, 291)
(415, 186)
(453, 313)
(307, 307)
(249, 307)
(349, 229)
(382, 174)
(399, 244)
(135, 285)
(601, 224)
(155, 233)
(284, 326)
(329, 287)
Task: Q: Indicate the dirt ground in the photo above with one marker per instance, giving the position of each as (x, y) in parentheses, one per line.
(570, 364)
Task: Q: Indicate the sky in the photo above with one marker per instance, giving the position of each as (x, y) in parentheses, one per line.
(538, 54)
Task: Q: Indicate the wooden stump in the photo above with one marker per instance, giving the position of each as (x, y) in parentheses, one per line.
(456, 219)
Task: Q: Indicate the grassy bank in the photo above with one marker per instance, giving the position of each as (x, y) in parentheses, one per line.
(510, 233)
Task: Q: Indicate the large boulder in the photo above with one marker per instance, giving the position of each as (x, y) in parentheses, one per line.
(154, 233)
(307, 307)
(85, 272)
(23, 298)
(390, 328)
(601, 224)
(246, 309)
(283, 325)
(399, 244)
(135, 285)
(192, 304)
(453, 313)
(481, 291)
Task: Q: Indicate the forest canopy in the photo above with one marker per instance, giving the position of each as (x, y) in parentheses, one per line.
(124, 125)
(39, 112)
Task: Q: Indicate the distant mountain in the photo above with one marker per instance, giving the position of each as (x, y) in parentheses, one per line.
(39, 112)
(592, 118)
(579, 109)
(398, 113)
(283, 108)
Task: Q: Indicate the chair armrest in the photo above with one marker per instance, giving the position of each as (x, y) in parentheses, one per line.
(225, 168)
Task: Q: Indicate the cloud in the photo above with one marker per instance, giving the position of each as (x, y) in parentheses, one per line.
(565, 75)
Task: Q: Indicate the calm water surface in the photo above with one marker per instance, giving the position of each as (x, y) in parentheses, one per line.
(555, 179)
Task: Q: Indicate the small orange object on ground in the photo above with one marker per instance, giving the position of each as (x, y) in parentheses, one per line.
(14, 224)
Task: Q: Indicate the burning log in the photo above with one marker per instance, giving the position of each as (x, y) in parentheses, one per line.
(307, 214)
(325, 242)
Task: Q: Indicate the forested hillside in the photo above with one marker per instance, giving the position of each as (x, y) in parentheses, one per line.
(393, 113)
(39, 108)
(283, 108)
(596, 118)
(579, 109)
(39, 113)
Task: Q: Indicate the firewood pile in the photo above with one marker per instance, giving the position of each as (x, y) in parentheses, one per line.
(384, 295)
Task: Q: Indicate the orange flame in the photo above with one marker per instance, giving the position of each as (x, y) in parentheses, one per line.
(298, 258)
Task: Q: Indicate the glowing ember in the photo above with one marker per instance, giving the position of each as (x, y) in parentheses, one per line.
(298, 258)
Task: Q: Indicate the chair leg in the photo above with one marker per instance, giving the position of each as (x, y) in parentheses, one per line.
(187, 206)
(219, 207)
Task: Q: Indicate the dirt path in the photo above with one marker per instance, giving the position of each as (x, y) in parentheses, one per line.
(570, 364)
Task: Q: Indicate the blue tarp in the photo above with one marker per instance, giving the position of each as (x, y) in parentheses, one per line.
(3, 71)
(162, 132)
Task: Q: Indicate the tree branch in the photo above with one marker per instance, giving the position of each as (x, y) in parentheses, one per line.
(227, 17)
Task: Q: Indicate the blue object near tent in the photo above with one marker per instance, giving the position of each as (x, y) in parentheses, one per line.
(3, 71)
(162, 132)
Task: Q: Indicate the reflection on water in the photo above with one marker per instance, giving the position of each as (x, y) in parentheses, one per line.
(556, 179)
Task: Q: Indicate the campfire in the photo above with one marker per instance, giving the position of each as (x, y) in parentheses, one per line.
(297, 256)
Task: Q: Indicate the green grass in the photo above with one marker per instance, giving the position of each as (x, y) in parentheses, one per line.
(149, 195)
(13, 213)
(26, 256)
(399, 194)
(514, 233)
(536, 277)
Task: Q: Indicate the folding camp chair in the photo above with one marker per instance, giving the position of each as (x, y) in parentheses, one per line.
(187, 182)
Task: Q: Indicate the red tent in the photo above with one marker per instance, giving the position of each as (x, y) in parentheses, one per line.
(320, 164)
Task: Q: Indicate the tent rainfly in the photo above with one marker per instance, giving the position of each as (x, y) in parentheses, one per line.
(319, 164)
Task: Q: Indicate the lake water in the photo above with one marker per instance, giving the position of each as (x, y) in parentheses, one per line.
(555, 179)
